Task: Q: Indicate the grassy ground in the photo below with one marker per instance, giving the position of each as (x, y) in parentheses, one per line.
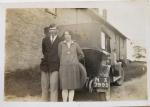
(135, 70)
(135, 89)
(24, 85)
(23, 82)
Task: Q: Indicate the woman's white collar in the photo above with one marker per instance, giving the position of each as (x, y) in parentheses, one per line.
(70, 42)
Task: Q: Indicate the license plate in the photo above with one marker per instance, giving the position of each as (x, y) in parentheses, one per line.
(101, 82)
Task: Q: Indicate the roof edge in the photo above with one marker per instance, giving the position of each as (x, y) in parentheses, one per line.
(107, 23)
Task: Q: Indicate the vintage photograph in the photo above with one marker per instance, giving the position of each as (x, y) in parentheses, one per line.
(75, 54)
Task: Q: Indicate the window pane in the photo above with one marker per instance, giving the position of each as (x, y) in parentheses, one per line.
(103, 40)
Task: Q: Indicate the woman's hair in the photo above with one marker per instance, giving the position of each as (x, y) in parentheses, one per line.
(63, 35)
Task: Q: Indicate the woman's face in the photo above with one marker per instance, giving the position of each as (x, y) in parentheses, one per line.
(67, 36)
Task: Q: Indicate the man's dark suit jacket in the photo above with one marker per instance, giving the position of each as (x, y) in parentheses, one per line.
(50, 62)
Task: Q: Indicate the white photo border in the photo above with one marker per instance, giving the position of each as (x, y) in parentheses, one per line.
(66, 4)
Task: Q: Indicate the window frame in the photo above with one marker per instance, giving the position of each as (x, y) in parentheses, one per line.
(105, 41)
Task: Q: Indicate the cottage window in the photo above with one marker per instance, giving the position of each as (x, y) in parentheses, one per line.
(123, 43)
(115, 39)
(103, 40)
(107, 43)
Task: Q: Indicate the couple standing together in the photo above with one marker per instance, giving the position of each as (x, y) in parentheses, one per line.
(60, 66)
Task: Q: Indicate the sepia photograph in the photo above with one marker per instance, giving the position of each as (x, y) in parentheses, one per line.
(75, 54)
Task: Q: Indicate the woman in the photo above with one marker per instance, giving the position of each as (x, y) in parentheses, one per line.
(72, 73)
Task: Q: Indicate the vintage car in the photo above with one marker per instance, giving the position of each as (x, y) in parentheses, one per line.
(97, 60)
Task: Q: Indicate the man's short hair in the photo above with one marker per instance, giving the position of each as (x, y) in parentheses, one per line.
(52, 26)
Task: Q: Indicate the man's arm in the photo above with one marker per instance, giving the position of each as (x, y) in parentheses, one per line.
(43, 47)
(59, 49)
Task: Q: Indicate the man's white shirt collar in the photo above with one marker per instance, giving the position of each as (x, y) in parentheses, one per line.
(53, 38)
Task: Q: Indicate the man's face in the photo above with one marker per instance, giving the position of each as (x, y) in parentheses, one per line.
(53, 32)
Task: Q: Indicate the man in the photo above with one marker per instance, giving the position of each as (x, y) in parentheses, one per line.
(50, 64)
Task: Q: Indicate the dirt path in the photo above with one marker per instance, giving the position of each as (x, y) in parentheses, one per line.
(25, 86)
(128, 91)
(135, 89)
